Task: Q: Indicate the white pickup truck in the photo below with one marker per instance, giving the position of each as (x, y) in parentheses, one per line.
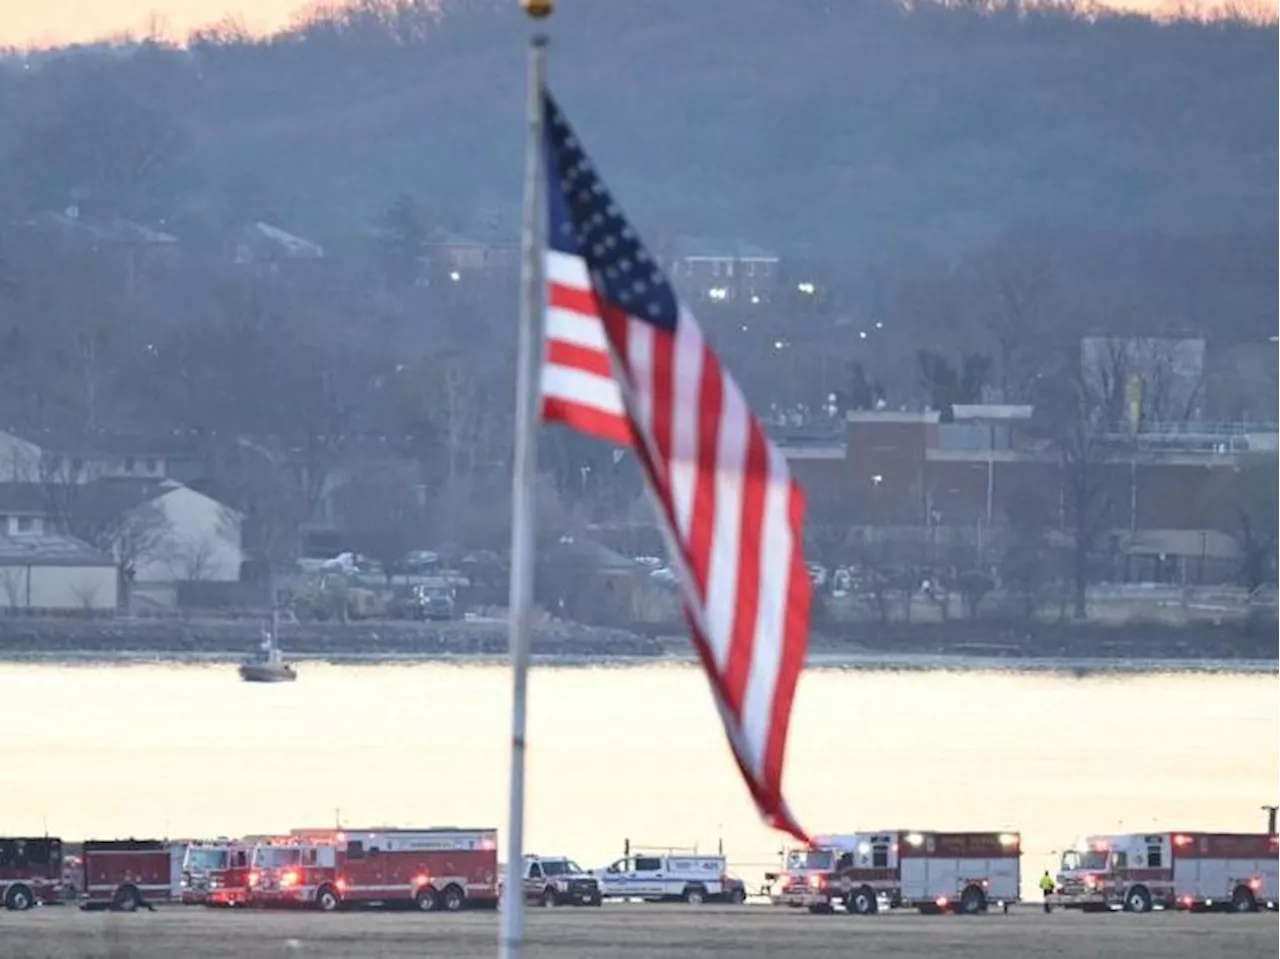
(692, 878)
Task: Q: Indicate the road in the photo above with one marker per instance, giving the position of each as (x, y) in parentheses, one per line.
(632, 932)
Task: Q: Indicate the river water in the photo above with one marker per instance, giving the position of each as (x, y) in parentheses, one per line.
(630, 752)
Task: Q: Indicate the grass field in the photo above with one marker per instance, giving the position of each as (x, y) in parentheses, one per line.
(632, 932)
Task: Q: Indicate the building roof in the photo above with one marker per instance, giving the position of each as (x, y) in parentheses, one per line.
(50, 549)
(590, 554)
(289, 244)
(23, 498)
(112, 496)
(105, 442)
(696, 247)
(991, 412)
(115, 230)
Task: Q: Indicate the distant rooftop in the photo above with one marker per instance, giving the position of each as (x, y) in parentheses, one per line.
(50, 549)
(694, 247)
(104, 442)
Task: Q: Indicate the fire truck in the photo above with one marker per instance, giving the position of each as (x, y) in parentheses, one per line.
(932, 871)
(30, 872)
(1177, 870)
(431, 869)
(215, 872)
(124, 874)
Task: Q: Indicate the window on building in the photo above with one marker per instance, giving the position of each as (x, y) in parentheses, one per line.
(715, 267)
(751, 268)
(728, 268)
(26, 524)
(129, 464)
(153, 464)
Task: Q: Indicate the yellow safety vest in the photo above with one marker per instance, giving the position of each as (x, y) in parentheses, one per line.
(1046, 883)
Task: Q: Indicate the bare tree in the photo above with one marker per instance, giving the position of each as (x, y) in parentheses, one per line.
(1242, 503)
(86, 594)
(92, 509)
(193, 561)
(1011, 297)
(12, 581)
(383, 514)
(1074, 417)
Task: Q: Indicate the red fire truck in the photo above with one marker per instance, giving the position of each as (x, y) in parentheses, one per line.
(30, 872)
(430, 869)
(932, 871)
(1177, 870)
(216, 872)
(125, 874)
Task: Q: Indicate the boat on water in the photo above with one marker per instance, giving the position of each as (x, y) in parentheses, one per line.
(268, 665)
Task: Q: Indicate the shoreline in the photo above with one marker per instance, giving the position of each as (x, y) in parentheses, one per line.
(818, 661)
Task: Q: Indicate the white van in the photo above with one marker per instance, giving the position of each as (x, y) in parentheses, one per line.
(691, 878)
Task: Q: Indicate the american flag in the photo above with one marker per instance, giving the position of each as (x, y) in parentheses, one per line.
(626, 362)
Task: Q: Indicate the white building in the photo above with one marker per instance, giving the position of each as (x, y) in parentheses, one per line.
(46, 572)
(167, 533)
(43, 457)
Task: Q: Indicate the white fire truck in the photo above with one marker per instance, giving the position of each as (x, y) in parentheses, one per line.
(439, 868)
(1177, 870)
(932, 871)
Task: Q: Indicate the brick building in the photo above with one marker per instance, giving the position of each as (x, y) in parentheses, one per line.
(909, 469)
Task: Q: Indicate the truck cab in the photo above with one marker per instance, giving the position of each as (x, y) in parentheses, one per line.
(293, 873)
(557, 881)
(1130, 872)
(807, 878)
(215, 873)
(30, 872)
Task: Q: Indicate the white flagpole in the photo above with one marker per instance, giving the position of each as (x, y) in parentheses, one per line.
(523, 481)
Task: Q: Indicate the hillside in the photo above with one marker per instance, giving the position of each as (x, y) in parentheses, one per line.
(862, 126)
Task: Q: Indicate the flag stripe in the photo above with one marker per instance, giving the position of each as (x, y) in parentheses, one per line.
(625, 360)
(588, 419)
(577, 382)
(571, 355)
(748, 578)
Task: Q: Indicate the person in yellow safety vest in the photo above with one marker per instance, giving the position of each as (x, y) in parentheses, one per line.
(1047, 887)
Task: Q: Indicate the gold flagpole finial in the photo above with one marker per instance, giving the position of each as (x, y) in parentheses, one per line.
(538, 9)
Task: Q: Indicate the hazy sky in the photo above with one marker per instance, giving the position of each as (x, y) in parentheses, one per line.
(48, 22)
(44, 22)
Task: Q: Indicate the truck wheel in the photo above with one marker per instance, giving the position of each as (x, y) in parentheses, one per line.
(694, 895)
(327, 899)
(1137, 899)
(453, 899)
(862, 902)
(126, 899)
(19, 899)
(973, 901)
(738, 896)
(1242, 900)
(426, 900)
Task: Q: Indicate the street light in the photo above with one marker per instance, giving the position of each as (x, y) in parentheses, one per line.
(807, 288)
(718, 293)
(455, 276)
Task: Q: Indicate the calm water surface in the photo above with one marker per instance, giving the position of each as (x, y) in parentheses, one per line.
(629, 752)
